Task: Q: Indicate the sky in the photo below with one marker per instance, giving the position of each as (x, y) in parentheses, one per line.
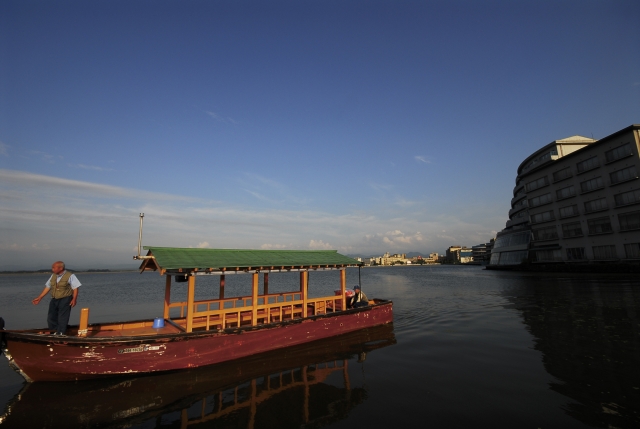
(360, 126)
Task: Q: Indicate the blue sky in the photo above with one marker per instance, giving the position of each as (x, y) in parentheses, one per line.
(359, 126)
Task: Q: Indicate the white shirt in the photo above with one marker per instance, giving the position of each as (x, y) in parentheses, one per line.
(73, 280)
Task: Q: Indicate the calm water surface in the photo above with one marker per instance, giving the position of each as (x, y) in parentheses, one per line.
(468, 348)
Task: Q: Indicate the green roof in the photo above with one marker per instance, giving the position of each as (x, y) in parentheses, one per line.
(171, 258)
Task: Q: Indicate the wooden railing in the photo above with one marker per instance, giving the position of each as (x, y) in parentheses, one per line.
(235, 312)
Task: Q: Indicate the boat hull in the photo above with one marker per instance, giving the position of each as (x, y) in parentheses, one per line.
(50, 358)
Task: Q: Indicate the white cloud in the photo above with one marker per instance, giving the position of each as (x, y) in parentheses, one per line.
(4, 149)
(203, 245)
(422, 159)
(320, 245)
(273, 246)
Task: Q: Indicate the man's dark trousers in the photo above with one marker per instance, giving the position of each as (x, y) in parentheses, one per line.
(59, 312)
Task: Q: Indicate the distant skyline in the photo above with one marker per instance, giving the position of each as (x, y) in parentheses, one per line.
(363, 127)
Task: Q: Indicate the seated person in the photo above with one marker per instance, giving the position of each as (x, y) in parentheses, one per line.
(359, 299)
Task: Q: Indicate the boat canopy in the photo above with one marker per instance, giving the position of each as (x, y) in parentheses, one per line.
(171, 260)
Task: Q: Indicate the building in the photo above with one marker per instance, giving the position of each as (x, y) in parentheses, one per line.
(576, 200)
(482, 252)
(459, 255)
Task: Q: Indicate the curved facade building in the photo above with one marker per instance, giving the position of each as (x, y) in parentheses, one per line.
(575, 200)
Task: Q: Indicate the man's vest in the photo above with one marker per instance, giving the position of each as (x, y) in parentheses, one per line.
(61, 288)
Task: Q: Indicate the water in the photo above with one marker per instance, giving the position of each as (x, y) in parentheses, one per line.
(468, 348)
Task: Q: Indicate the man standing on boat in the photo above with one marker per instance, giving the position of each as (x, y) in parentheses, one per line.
(359, 299)
(63, 286)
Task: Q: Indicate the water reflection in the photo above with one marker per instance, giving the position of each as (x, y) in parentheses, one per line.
(589, 334)
(304, 386)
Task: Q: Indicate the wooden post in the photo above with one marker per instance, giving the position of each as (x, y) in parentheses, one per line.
(84, 322)
(254, 299)
(191, 291)
(221, 287)
(304, 291)
(167, 296)
(343, 287)
(266, 284)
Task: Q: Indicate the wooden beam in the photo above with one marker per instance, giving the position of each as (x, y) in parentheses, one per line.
(266, 284)
(84, 322)
(191, 291)
(304, 279)
(254, 300)
(343, 288)
(167, 296)
(222, 283)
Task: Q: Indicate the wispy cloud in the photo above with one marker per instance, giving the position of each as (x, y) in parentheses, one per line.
(93, 167)
(4, 149)
(220, 118)
(90, 223)
(46, 157)
(423, 159)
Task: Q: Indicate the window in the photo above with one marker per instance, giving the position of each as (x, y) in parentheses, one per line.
(623, 175)
(536, 184)
(629, 221)
(540, 200)
(632, 250)
(512, 239)
(588, 164)
(595, 205)
(562, 174)
(619, 152)
(549, 255)
(627, 198)
(542, 217)
(548, 233)
(604, 252)
(570, 230)
(601, 225)
(591, 185)
(569, 211)
(495, 257)
(513, 258)
(575, 254)
(567, 192)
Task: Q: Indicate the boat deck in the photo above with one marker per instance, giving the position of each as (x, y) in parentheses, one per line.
(214, 322)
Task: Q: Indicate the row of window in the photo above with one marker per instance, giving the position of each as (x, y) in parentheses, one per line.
(627, 222)
(592, 206)
(615, 177)
(606, 252)
(591, 163)
(622, 199)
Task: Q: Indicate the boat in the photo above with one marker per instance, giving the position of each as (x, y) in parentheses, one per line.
(207, 331)
(317, 383)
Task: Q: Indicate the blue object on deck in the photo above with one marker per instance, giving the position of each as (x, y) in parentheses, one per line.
(158, 323)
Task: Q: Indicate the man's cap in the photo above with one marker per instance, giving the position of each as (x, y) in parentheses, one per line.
(357, 287)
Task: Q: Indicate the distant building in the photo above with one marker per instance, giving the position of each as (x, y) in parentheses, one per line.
(576, 201)
(482, 252)
(459, 255)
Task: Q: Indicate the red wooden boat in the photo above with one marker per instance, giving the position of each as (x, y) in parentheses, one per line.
(304, 380)
(207, 331)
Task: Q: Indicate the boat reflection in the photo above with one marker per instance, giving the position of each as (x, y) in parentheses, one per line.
(302, 386)
(588, 332)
